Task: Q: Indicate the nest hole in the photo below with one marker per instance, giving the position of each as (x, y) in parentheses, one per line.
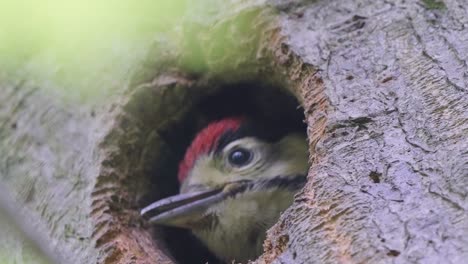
(274, 105)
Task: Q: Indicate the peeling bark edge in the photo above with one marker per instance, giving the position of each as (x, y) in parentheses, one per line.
(315, 102)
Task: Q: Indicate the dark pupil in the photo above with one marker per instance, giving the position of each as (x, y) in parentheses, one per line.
(239, 157)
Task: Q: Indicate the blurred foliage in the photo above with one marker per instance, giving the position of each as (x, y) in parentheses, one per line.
(76, 39)
(87, 47)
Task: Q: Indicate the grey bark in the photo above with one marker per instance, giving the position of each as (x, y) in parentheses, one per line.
(389, 177)
(384, 85)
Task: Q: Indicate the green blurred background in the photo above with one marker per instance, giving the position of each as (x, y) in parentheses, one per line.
(70, 41)
(63, 46)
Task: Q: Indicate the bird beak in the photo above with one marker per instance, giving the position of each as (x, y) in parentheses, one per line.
(189, 209)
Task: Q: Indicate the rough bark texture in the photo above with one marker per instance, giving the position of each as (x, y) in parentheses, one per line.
(388, 181)
(384, 88)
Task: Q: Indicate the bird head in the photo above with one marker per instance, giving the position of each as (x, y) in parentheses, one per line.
(226, 158)
(229, 160)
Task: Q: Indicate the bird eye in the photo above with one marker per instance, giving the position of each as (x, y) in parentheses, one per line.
(239, 157)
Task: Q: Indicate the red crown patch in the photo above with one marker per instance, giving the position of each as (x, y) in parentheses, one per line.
(205, 141)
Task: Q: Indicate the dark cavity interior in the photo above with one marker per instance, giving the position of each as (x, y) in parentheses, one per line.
(273, 105)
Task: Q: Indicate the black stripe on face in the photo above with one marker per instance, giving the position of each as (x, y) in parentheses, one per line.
(281, 182)
(292, 183)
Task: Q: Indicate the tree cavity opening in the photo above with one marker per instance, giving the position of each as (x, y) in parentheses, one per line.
(275, 105)
(157, 125)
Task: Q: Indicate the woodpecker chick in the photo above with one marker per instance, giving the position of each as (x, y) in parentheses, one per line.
(236, 179)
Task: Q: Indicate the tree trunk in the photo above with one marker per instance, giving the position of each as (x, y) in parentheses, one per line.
(384, 86)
